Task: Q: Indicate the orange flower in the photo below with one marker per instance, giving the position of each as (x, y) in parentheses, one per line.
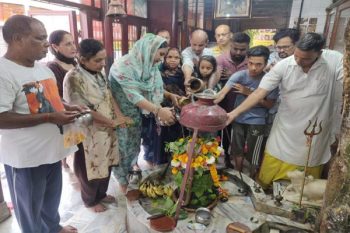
(213, 149)
(183, 158)
(174, 170)
(214, 175)
(223, 178)
(204, 150)
(206, 153)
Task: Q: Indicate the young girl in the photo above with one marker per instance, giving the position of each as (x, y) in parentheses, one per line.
(172, 75)
(206, 68)
(154, 138)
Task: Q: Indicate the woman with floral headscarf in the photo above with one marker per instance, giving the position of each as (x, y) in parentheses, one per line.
(137, 86)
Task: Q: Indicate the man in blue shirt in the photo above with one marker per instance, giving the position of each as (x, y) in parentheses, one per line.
(248, 129)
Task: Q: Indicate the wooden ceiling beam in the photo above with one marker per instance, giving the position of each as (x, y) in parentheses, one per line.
(94, 11)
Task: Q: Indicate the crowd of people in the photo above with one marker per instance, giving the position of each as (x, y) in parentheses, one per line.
(269, 99)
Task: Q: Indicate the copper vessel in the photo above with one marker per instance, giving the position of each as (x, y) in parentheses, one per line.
(196, 85)
(203, 114)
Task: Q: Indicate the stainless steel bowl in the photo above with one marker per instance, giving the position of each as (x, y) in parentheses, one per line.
(203, 216)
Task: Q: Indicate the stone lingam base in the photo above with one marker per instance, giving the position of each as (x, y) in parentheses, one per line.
(240, 207)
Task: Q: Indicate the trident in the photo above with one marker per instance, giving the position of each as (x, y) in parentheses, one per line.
(309, 135)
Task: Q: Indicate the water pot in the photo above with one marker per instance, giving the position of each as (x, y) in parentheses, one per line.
(203, 114)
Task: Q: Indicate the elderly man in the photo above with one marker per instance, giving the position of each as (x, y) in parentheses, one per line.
(285, 40)
(223, 35)
(191, 55)
(310, 82)
(31, 144)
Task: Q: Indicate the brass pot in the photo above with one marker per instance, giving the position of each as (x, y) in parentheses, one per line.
(196, 85)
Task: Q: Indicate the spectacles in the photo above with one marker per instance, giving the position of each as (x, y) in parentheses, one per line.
(283, 47)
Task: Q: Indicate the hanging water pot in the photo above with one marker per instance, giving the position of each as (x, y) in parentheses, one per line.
(203, 114)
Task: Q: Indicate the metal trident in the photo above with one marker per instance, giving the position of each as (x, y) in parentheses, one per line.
(313, 131)
(309, 133)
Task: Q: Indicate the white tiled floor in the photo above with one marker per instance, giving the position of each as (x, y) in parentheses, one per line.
(73, 211)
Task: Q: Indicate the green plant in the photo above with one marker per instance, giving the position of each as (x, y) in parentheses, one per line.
(168, 207)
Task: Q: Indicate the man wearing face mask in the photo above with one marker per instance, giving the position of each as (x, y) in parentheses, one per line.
(228, 64)
(310, 84)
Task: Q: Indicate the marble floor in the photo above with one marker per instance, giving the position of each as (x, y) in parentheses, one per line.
(72, 210)
(74, 213)
(113, 220)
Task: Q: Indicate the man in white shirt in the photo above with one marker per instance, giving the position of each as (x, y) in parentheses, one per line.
(310, 84)
(31, 110)
(285, 40)
(191, 55)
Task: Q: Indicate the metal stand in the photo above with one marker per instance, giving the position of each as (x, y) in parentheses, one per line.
(186, 175)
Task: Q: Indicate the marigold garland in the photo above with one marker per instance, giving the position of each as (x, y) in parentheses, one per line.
(207, 150)
(206, 153)
(214, 175)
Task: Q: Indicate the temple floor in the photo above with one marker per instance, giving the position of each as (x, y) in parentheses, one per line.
(72, 210)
